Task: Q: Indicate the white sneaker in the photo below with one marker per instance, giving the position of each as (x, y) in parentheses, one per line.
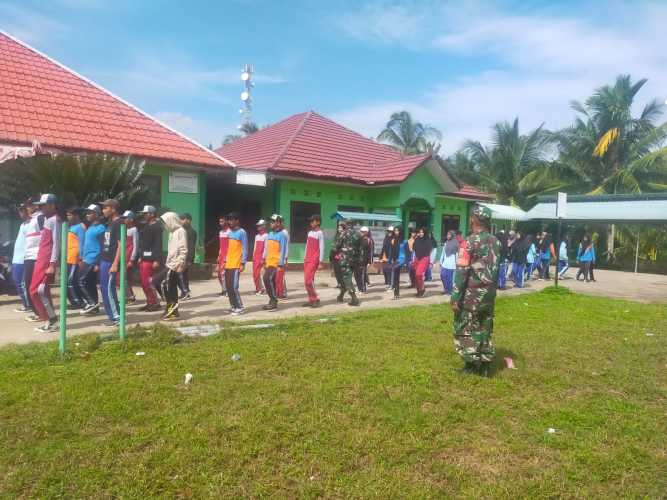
(238, 312)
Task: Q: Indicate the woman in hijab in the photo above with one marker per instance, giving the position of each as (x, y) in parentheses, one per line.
(519, 257)
(450, 252)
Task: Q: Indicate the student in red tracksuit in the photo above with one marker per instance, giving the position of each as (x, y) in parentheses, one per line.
(223, 236)
(313, 259)
(257, 257)
(45, 265)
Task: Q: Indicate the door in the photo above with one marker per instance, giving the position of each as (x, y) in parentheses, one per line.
(449, 223)
(249, 215)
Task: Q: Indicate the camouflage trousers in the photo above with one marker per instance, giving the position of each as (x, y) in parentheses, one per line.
(343, 273)
(472, 335)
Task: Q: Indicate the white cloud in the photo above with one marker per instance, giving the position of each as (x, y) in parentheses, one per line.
(545, 62)
(155, 76)
(383, 22)
(204, 132)
(29, 26)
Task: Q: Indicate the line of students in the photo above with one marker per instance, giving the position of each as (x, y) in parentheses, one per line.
(93, 258)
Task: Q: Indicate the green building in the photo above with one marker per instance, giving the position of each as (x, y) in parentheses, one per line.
(303, 165)
(308, 164)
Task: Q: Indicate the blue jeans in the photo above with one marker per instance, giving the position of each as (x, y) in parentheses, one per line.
(519, 271)
(109, 293)
(428, 275)
(447, 277)
(19, 283)
(502, 274)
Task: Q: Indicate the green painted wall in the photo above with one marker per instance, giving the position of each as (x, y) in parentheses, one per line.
(329, 196)
(182, 202)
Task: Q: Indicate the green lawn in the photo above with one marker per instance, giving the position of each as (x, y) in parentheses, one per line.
(369, 405)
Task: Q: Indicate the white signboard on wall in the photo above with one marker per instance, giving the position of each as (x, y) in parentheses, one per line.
(250, 178)
(183, 182)
(561, 206)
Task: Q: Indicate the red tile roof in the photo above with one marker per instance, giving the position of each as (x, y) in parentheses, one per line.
(309, 144)
(468, 191)
(43, 100)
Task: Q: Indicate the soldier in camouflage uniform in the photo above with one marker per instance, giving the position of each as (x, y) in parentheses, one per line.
(345, 251)
(474, 294)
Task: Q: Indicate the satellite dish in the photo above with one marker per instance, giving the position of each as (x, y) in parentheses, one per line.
(245, 76)
(245, 96)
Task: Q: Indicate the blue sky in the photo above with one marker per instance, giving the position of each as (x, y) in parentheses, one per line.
(459, 66)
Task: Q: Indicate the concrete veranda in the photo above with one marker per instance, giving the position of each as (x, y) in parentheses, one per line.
(207, 305)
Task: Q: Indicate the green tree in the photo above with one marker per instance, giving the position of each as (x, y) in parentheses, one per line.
(246, 129)
(514, 166)
(607, 150)
(77, 180)
(409, 136)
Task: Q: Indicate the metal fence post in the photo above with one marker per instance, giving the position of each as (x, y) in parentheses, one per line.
(62, 345)
(123, 278)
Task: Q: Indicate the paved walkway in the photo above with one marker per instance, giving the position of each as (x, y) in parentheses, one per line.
(207, 305)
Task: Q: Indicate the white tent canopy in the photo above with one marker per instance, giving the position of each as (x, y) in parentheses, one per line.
(505, 212)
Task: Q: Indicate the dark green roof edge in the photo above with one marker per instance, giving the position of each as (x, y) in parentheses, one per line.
(604, 197)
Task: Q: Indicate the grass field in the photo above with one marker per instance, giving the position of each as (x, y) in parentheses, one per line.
(368, 405)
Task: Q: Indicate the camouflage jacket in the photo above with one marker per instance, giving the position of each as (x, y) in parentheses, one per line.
(475, 283)
(347, 246)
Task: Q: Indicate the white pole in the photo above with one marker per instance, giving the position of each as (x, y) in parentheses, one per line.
(637, 251)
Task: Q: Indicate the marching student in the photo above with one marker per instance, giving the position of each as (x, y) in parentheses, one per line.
(397, 257)
(18, 257)
(75, 237)
(150, 256)
(503, 258)
(237, 254)
(531, 257)
(45, 265)
(131, 253)
(110, 260)
(257, 256)
(32, 239)
(563, 260)
(177, 254)
(281, 287)
(89, 265)
(365, 259)
(585, 257)
(519, 257)
(384, 257)
(410, 258)
(223, 238)
(448, 258)
(184, 277)
(422, 247)
(313, 259)
(275, 255)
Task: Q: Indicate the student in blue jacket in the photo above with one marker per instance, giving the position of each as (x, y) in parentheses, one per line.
(397, 258)
(585, 258)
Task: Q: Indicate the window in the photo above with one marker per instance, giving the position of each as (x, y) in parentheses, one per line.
(449, 223)
(153, 185)
(299, 213)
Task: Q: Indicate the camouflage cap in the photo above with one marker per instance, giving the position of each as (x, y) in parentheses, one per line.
(481, 212)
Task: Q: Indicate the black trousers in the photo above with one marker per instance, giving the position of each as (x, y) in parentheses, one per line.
(167, 281)
(232, 280)
(387, 269)
(269, 279)
(88, 284)
(184, 280)
(361, 277)
(28, 269)
(396, 279)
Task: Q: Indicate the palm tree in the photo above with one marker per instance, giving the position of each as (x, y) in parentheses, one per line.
(77, 180)
(607, 150)
(514, 167)
(247, 128)
(409, 136)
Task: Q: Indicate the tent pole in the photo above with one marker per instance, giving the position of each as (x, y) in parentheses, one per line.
(637, 251)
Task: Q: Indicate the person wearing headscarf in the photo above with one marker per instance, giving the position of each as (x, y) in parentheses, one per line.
(448, 258)
(519, 258)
